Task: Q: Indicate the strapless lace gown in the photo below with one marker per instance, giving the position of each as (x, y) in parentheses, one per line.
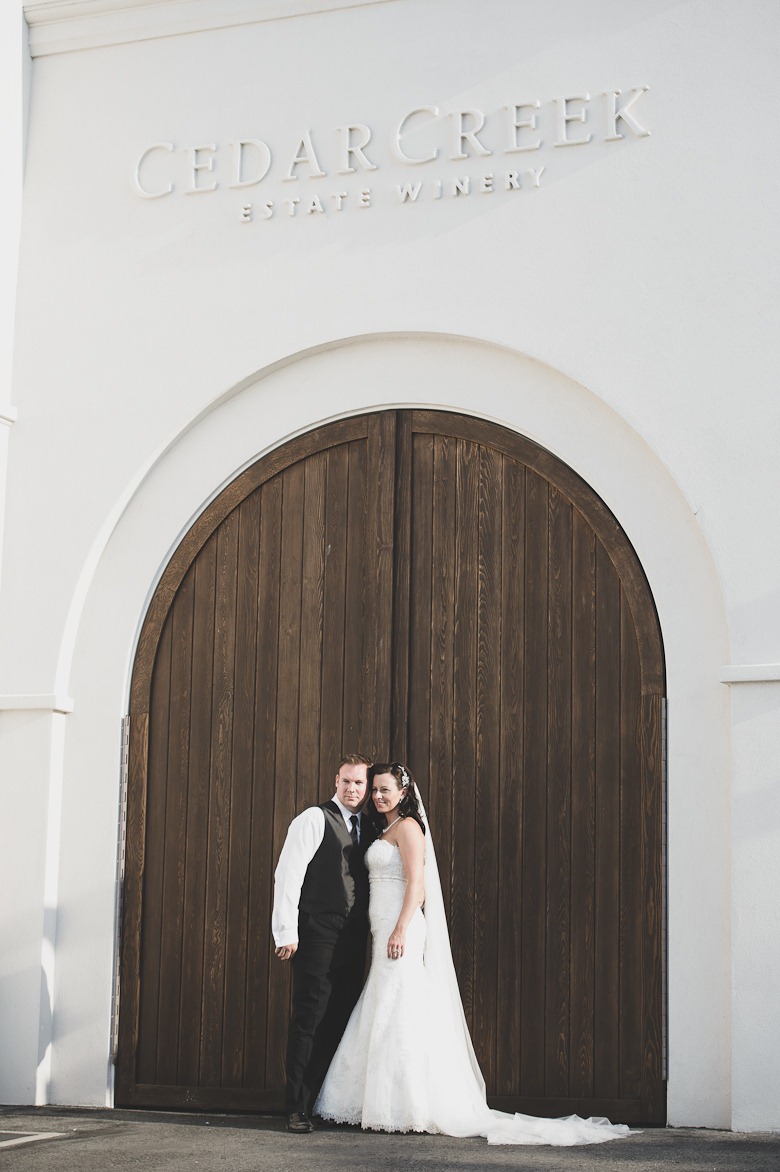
(401, 1065)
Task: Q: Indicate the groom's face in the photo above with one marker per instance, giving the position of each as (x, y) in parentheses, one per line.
(351, 784)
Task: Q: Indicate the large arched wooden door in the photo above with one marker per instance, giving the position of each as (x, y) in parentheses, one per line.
(428, 586)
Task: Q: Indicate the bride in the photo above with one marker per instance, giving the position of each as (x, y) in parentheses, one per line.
(406, 1062)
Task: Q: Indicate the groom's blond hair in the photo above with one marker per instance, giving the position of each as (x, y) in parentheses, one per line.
(352, 759)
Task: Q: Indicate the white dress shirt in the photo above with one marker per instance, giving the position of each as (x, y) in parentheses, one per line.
(304, 836)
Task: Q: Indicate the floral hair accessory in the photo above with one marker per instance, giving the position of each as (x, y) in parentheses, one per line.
(405, 778)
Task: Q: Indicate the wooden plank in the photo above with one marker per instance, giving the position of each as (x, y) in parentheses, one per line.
(510, 773)
(355, 617)
(419, 749)
(583, 806)
(175, 830)
(312, 608)
(260, 958)
(219, 803)
(190, 1012)
(652, 748)
(240, 852)
(211, 1099)
(434, 657)
(465, 721)
(616, 1110)
(152, 925)
(333, 630)
(402, 537)
(534, 787)
(607, 941)
(558, 929)
(631, 861)
(489, 1026)
(286, 803)
(132, 913)
(378, 578)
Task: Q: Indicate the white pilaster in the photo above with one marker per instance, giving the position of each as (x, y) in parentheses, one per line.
(755, 905)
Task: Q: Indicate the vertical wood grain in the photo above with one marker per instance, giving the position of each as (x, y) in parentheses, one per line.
(651, 757)
(607, 942)
(437, 635)
(631, 865)
(286, 803)
(401, 620)
(488, 745)
(219, 803)
(152, 928)
(462, 910)
(312, 630)
(356, 601)
(510, 837)
(534, 831)
(583, 807)
(334, 632)
(240, 841)
(190, 1013)
(262, 967)
(558, 927)
(421, 696)
(172, 895)
(377, 684)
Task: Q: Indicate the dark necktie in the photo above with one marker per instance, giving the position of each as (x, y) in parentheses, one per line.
(354, 831)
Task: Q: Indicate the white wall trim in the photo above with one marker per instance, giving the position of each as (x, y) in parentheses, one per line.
(42, 702)
(750, 673)
(61, 26)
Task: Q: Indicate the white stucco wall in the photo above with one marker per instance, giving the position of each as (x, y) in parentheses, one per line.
(14, 86)
(617, 313)
(23, 848)
(756, 905)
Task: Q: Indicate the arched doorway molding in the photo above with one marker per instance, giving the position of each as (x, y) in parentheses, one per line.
(460, 375)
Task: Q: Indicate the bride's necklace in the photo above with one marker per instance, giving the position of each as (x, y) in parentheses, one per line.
(391, 824)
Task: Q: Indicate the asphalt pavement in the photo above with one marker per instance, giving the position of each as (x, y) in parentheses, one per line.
(74, 1140)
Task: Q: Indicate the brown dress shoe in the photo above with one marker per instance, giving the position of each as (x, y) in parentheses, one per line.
(299, 1122)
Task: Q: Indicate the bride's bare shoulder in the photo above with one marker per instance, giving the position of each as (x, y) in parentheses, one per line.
(409, 830)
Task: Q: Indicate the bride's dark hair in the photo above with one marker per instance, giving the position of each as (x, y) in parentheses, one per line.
(408, 807)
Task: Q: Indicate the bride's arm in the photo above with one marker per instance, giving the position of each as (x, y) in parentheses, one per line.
(411, 845)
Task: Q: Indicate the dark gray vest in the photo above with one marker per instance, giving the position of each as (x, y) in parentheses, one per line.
(336, 881)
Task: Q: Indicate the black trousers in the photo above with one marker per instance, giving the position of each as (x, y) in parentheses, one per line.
(328, 973)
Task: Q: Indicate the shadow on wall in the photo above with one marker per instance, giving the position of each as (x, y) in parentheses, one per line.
(24, 997)
(44, 1019)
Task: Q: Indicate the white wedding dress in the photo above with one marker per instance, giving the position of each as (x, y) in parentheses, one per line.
(406, 1062)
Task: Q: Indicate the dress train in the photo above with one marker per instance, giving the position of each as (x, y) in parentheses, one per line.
(406, 1062)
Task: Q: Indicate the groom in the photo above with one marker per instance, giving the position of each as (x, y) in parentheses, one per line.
(320, 922)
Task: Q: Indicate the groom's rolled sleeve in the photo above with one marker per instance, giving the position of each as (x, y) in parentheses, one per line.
(303, 840)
